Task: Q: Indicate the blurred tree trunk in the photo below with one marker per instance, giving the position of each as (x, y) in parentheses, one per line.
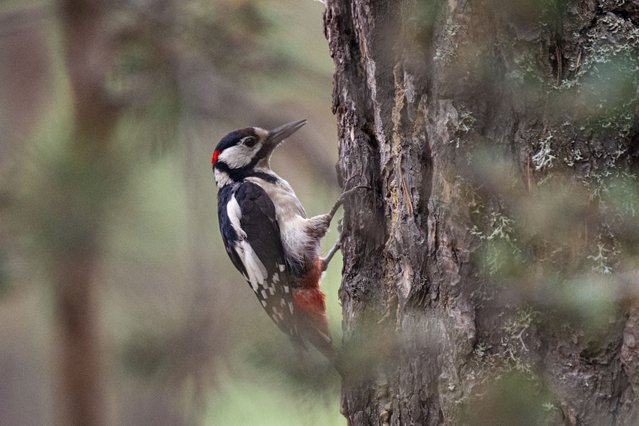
(462, 116)
(83, 180)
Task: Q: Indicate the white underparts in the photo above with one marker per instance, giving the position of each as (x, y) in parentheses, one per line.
(239, 155)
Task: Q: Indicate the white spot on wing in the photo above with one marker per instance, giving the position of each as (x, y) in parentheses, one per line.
(290, 307)
(277, 313)
(281, 266)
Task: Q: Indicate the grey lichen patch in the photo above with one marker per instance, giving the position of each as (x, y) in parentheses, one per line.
(516, 329)
(500, 254)
(544, 157)
(453, 36)
(604, 75)
(513, 353)
(610, 37)
(570, 224)
(463, 124)
(616, 196)
(574, 156)
(586, 73)
(447, 50)
(499, 226)
(511, 349)
(602, 258)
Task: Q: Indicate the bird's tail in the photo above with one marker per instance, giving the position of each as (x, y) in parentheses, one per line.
(312, 321)
(311, 314)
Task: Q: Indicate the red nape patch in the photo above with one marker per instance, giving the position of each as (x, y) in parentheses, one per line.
(216, 154)
(310, 301)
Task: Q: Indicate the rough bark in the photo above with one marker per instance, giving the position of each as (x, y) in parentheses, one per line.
(463, 117)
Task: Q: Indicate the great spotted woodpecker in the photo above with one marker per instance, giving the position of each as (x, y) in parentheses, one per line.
(268, 235)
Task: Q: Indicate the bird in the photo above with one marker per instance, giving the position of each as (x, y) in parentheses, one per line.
(268, 235)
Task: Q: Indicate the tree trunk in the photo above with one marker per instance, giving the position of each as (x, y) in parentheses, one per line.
(488, 273)
(80, 185)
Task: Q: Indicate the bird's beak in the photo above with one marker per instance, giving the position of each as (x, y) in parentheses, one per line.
(277, 135)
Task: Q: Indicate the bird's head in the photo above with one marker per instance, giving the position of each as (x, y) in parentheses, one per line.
(243, 151)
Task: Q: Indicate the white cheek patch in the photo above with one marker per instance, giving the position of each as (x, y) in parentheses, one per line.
(239, 155)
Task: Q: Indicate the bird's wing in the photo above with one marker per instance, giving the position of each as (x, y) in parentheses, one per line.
(252, 238)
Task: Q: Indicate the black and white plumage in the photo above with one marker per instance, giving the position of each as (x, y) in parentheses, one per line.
(268, 235)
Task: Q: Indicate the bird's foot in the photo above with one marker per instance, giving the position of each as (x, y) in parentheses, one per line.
(320, 224)
(337, 246)
(327, 259)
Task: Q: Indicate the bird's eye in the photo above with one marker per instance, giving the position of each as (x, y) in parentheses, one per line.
(249, 141)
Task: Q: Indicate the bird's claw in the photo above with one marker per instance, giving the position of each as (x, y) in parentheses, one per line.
(326, 259)
(343, 196)
(329, 217)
